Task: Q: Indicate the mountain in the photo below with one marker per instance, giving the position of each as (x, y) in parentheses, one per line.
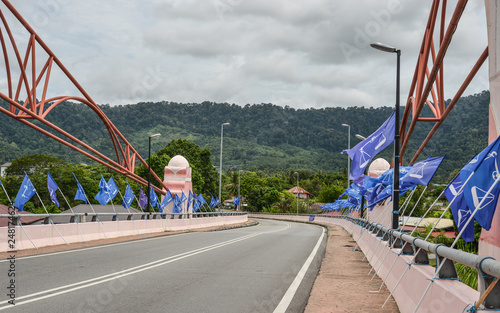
(260, 137)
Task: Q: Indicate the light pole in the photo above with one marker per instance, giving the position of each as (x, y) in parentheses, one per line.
(395, 186)
(297, 192)
(149, 170)
(348, 147)
(239, 183)
(360, 137)
(220, 169)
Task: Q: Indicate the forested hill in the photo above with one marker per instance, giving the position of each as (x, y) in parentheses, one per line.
(261, 136)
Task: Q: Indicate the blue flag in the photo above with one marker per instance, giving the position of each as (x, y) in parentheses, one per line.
(190, 199)
(363, 152)
(153, 199)
(80, 193)
(196, 204)
(112, 188)
(177, 205)
(143, 199)
(166, 200)
(52, 186)
(0, 182)
(201, 199)
(237, 201)
(422, 172)
(485, 174)
(103, 197)
(459, 209)
(128, 197)
(25, 193)
(213, 203)
(183, 197)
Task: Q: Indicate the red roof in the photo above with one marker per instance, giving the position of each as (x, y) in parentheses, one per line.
(301, 190)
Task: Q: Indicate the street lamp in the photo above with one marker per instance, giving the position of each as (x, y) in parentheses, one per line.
(297, 192)
(348, 147)
(395, 186)
(239, 183)
(220, 169)
(149, 170)
(360, 137)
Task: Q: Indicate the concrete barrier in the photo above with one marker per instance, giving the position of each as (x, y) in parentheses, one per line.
(444, 295)
(48, 235)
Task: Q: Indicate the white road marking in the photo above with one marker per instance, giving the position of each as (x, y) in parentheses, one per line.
(290, 293)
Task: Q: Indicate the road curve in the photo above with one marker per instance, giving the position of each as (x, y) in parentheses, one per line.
(265, 268)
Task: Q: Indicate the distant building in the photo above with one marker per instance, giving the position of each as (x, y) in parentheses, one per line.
(302, 193)
(24, 220)
(3, 167)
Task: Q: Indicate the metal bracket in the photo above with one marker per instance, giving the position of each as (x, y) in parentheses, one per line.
(448, 269)
(492, 300)
(397, 243)
(422, 257)
(408, 249)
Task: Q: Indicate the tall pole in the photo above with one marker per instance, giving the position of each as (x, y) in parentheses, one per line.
(297, 193)
(395, 192)
(348, 147)
(149, 171)
(239, 183)
(220, 169)
(395, 184)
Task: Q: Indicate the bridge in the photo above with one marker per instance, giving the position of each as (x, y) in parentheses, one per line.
(234, 257)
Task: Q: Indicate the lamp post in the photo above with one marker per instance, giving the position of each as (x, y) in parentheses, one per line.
(395, 186)
(297, 192)
(360, 137)
(220, 169)
(239, 183)
(348, 147)
(149, 170)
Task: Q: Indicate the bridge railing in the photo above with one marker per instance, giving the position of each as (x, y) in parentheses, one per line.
(94, 217)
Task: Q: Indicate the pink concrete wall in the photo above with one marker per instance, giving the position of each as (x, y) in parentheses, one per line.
(48, 235)
(443, 295)
(489, 243)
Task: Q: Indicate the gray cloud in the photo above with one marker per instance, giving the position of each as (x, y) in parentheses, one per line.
(303, 54)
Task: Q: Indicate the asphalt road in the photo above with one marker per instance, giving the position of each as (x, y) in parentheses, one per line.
(265, 268)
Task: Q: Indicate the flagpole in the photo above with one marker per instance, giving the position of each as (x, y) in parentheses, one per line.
(50, 216)
(76, 216)
(414, 229)
(459, 235)
(19, 217)
(147, 222)
(128, 209)
(404, 207)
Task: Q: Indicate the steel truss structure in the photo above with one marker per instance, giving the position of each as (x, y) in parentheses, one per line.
(28, 109)
(428, 78)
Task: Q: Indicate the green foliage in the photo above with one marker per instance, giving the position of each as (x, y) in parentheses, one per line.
(261, 137)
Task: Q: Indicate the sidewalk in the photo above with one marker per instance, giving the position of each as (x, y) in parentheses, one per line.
(343, 283)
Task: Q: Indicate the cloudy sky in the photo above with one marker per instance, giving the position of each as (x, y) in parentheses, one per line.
(299, 53)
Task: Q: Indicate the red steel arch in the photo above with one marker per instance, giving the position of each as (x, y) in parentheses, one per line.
(428, 78)
(33, 110)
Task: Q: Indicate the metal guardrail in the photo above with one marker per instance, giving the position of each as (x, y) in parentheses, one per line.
(488, 268)
(76, 217)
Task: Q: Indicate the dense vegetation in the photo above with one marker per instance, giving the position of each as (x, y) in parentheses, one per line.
(261, 137)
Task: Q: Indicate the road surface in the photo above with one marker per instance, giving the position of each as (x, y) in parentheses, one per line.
(265, 268)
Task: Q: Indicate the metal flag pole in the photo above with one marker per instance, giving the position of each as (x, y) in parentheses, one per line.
(50, 216)
(404, 224)
(132, 217)
(427, 237)
(19, 217)
(458, 237)
(76, 216)
(147, 220)
(414, 229)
